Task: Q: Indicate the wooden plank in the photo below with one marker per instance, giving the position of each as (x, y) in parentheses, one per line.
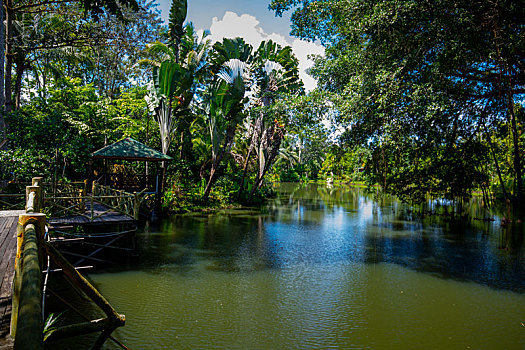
(15, 213)
(5, 313)
(5, 223)
(8, 225)
(7, 255)
(7, 263)
(2, 223)
(7, 280)
(6, 288)
(67, 240)
(4, 236)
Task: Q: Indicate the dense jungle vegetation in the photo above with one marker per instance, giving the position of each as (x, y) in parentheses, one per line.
(416, 97)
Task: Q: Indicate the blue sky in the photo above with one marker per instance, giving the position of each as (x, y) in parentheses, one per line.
(201, 13)
(251, 20)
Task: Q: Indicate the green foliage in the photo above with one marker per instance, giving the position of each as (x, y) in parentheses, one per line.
(304, 148)
(50, 325)
(96, 8)
(417, 83)
(183, 196)
(178, 12)
(55, 134)
(346, 164)
(22, 163)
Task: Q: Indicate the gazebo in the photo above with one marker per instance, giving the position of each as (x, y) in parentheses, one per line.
(130, 150)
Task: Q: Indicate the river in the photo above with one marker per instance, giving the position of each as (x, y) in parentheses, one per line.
(324, 268)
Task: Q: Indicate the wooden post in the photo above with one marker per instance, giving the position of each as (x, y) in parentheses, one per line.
(79, 329)
(33, 198)
(158, 196)
(39, 181)
(93, 192)
(26, 315)
(137, 202)
(17, 280)
(146, 173)
(136, 205)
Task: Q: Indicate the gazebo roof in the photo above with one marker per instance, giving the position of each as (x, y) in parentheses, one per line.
(130, 149)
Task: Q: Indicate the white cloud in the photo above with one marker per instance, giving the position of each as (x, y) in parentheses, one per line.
(302, 50)
(248, 27)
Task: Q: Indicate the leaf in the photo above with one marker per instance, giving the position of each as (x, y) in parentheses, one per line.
(178, 12)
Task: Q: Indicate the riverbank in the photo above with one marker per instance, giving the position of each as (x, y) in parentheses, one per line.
(180, 200)
(184, 199)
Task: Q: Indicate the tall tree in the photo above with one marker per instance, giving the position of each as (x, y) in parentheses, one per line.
(176, 73)
(275, 72)
(226, 98)
(412, 74)
(16, 48)
(2, 63)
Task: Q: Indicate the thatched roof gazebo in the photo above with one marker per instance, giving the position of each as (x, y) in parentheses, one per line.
(130, 150)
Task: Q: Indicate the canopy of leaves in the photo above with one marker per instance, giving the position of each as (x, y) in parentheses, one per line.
(416, 82)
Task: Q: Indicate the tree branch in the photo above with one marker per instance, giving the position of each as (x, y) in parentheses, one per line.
(18, 8)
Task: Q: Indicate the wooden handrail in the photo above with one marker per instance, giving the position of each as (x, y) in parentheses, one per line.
(26, 323)
(32, 251)
(125, 202)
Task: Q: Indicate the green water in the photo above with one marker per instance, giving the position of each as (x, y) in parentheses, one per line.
(323, 268)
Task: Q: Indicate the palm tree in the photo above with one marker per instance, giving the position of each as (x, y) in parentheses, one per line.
(179, 66)
(226, 98)
(176, 73)
(275, 71)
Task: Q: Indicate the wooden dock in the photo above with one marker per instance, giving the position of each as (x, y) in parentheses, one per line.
(8, 224)
(21, 307)
(101, 215)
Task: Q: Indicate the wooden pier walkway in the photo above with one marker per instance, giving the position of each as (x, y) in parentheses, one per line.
(21, 307)
(101, 215)
(8, 224)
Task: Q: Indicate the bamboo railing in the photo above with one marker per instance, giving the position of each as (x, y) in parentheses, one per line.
(76, 202)
(17, 201)
(121, 201)
(73, 199)
(27, 305)
(12, 201)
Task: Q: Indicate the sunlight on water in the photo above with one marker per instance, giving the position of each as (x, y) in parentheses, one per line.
(319, 269)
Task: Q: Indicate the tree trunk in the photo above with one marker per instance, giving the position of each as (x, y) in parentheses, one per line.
(211, 179)
(181, 154)
(255, 140)
(164, 166)
(3, 125)
(9, 17)
(498, 170)
(20, 68)
(228, 141)
(244, 171)
(515, 139)
(270, 144)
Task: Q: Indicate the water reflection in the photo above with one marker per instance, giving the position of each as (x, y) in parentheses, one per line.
(325, 268)
(317, 225)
